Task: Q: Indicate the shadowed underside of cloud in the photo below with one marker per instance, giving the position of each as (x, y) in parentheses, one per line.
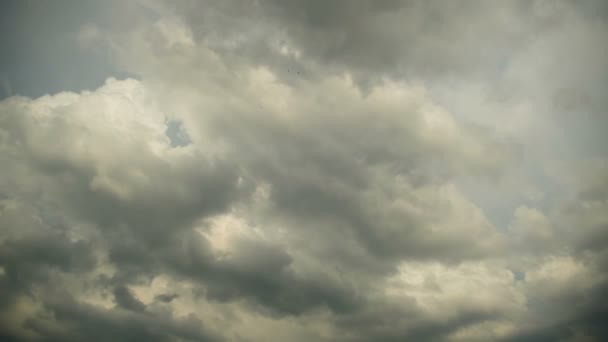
(286, 170)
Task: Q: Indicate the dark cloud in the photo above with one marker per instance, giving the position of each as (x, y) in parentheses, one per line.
(126, 300)
(395, 39)
(582, 321)
(166, 297)
(96, 325)
(284, 170)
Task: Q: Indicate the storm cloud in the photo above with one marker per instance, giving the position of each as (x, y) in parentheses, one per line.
(304, 171)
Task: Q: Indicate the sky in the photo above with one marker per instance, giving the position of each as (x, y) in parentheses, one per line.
(303, 170)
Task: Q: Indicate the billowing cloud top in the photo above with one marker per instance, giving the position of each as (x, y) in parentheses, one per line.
(304, 171)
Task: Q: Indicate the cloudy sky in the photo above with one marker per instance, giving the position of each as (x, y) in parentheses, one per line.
(291, 170)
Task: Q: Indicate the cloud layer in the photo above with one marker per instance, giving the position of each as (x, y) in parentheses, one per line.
(314, 171)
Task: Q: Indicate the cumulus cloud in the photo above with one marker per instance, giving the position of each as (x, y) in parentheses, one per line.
(303, 171)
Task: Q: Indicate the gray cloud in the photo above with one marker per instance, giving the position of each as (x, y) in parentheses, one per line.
(294, 170)
(125, 299)
(166, 298)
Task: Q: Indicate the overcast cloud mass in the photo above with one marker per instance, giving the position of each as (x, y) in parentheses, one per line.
(304, 170)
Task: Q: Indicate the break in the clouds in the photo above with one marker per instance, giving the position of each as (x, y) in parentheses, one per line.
(304, 171)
